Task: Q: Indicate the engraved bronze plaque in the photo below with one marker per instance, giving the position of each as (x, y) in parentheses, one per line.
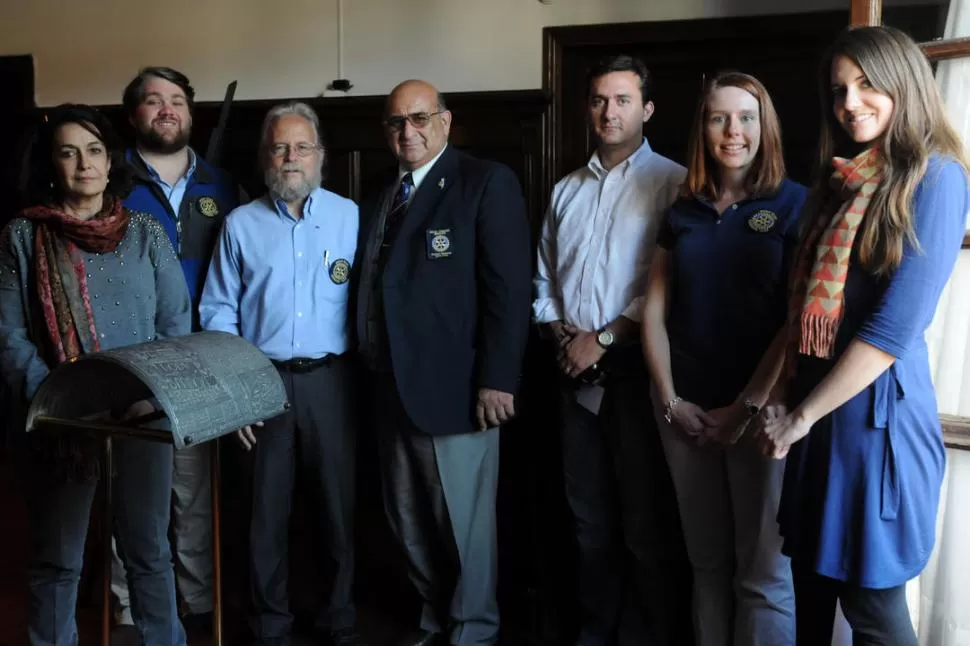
(208, 384)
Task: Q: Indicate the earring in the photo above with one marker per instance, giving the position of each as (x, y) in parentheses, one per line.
(52, 184)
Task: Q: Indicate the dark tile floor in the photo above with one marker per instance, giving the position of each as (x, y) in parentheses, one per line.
(385, 601)
(378, 625)
(13, 550)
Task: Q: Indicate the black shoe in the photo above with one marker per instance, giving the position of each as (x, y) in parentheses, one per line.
(346, 637)
(199, 625)
(420, 638)
(125, 635)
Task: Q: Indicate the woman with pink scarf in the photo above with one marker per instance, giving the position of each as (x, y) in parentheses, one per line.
(79, 273)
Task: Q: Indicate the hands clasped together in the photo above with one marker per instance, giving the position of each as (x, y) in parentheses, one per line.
(777, 429)
(717, 427)
(774, 428)
(577, 350)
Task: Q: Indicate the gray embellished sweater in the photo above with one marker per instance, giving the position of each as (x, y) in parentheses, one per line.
(137, 292)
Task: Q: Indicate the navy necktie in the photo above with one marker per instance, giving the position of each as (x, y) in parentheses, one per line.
(400, 204)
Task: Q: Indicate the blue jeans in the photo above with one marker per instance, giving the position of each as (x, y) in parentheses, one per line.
(58, 516)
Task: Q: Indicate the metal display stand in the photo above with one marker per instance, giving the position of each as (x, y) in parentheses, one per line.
(204, 386)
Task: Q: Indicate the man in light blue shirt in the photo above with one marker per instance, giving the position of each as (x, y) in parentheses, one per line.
(279, 278)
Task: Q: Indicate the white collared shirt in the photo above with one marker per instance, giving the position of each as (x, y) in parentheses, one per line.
(598, 239)
(417, 175)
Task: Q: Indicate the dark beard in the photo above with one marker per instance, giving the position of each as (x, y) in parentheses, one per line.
(153, 143)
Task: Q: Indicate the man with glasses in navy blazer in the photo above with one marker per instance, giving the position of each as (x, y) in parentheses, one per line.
(443, 289)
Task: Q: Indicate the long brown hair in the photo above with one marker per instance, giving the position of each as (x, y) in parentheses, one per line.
(768, 169)
(894, 64)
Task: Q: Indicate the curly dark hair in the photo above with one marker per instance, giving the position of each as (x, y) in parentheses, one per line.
(39, 183)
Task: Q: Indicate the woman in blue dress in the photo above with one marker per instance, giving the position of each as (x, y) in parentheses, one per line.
(857, 414)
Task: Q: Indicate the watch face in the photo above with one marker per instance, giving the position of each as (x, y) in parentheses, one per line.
(605, 337)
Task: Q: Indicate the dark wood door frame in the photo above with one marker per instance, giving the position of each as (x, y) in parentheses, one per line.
(559, 41)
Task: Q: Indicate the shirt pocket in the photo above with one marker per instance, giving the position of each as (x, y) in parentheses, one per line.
(337, 267)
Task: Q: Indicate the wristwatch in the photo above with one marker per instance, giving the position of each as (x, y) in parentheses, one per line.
(605, 338)
(751, 408)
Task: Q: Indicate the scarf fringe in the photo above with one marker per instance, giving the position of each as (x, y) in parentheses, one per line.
(818, 335)
(813, 334)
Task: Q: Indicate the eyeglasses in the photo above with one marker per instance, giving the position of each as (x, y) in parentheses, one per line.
(419, 120)
(301, 149)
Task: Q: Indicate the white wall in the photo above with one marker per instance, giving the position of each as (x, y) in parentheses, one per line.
(87, 50)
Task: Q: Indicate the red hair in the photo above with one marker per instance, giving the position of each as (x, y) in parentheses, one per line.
(768, 169)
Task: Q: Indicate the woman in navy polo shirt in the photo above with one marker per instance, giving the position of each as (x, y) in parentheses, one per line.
(715, 301)
(863, 441)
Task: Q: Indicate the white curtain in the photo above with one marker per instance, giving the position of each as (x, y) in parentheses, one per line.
(939, 598)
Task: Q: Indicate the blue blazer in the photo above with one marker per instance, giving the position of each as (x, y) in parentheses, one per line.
(457, 289)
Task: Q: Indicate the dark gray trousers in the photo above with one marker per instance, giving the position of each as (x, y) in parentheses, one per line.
(316, 438)
(439, 495)
(633, 579)
(877, 617)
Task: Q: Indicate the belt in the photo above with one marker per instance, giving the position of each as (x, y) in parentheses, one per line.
(302, 364)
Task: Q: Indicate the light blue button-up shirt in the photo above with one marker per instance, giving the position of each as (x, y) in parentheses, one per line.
(280, 282)
(176, 193)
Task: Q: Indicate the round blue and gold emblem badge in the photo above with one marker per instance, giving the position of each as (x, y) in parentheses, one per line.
(763, 221)
(208, 207)
(340, 271)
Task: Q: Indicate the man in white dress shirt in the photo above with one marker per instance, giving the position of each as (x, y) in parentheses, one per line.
(596, 245)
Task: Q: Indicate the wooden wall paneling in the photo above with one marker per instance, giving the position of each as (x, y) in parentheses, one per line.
(921, 22)
(679, 54)
(16, 102)
(503, 126)
(950, 48)
(865, 12)
(783, 55)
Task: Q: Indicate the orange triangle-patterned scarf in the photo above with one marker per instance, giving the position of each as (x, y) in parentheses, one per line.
(818, 279)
